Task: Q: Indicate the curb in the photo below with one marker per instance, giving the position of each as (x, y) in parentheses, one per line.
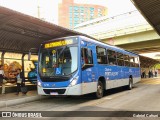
(7, 103)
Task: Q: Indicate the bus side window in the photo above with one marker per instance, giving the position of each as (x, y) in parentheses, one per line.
(86, 55)
(136, 62)
(120, 59)
(101, 55)
(132, 63)
(126, 60)
(111, 57)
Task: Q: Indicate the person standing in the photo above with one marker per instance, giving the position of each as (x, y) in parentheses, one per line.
(19, 81)
(155, 73)
(2, 79)
(149, 74)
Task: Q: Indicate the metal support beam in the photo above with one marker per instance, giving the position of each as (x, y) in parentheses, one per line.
(23, 64)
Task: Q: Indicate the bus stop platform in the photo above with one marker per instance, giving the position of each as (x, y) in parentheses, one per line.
(10, 99)
(12, 87)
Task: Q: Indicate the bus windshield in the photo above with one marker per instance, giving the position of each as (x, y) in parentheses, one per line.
(58, 61)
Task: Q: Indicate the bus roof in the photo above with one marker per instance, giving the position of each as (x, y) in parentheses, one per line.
(93, 40)
(112, 47)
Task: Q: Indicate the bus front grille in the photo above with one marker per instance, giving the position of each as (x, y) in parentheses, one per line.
(59, 91)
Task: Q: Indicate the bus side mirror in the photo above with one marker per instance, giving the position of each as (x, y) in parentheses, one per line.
(82, 63)
(35, 51)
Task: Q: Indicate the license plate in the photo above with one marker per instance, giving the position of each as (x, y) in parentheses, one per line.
(53, 93)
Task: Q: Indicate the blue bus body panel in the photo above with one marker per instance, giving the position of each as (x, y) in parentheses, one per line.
(60, 84)
(92, 74)
(108, 71)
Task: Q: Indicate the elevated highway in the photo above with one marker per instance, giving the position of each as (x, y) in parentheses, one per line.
(129, 31)
(141, 42)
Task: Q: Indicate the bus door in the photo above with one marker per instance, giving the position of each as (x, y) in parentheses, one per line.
(132, 70)
(88, 72)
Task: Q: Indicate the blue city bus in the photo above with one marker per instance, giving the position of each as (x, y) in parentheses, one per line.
(78, 65)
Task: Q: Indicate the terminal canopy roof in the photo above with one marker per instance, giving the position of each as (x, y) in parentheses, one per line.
(20, 32)
(146, 62)
(150, 9)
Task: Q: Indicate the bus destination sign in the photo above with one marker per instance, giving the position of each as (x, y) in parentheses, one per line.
(58, 43)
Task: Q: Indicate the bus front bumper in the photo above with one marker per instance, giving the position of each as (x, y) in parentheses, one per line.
(72, 90)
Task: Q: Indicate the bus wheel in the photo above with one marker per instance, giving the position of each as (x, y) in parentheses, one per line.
(130, 86)
(99, 93)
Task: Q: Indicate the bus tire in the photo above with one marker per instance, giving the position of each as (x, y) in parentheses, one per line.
(100, 90)
(130, 85)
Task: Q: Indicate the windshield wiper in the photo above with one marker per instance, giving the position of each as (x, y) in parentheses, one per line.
(61, 52)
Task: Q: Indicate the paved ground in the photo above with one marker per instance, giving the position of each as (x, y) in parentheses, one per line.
(144, 97)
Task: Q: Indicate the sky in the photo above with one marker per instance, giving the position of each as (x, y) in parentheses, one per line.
(49, 8)
(116, 7)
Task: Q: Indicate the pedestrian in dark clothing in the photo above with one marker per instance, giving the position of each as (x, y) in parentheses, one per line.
(20, 80)
(155, 73)
(1, 74)
(143, 74)
(151, 73)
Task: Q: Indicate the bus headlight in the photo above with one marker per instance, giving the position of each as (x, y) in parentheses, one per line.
(39, 84)
(74, 81)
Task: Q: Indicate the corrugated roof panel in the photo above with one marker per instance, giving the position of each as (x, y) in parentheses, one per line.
(20, 32)
(10, 41)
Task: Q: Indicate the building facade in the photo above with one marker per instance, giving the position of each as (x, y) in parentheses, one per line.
(70, 14)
